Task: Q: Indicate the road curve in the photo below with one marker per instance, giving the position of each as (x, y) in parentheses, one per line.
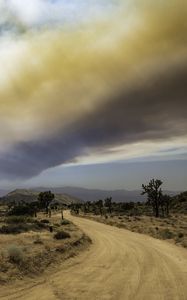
(120, 265)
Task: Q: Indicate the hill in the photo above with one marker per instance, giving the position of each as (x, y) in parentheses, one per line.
(29, 196)
(75, 194)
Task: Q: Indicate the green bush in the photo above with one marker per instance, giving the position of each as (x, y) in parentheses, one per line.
(60, 235)
(15, 254)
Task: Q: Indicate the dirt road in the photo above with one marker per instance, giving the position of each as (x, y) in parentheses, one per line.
(120, 265)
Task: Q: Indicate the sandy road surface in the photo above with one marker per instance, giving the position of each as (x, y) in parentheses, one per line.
(120, 265)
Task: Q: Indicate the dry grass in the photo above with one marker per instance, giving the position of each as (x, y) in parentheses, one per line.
(31, 253)
(173, 229)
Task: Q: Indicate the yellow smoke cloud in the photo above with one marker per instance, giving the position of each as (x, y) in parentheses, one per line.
(52, 77)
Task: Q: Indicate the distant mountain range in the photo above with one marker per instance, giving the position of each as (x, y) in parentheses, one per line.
(76, 194)
(96, 194)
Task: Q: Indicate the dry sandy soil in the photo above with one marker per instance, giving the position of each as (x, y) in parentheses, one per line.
(120, 265)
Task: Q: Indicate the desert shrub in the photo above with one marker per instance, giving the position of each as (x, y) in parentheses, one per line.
(38, 240)
(60, 235)
(14, 228)
(19, 219)
(167, 234)
(180, 234)
(22, 210)
(22, 227)
(56, 225)
(45, 221)
(65, 222)
(15, 254)
(60, 249)
(39, 225)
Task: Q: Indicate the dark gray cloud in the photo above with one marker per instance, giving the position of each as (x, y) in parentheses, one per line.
(155, 110)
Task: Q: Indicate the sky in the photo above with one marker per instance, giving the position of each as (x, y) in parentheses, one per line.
(93, 93)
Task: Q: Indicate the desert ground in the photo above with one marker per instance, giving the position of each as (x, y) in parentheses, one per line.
(119, 265)
(173, 228)
(30, 248)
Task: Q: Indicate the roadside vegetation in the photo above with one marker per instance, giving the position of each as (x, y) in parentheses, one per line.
(161, 216)
(35, 237)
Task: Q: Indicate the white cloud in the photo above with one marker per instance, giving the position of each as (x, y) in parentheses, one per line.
(29, 11)
(42, 12)
(136, 151)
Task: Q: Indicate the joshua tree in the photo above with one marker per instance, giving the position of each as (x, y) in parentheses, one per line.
(99, 203)
(108, 204)
(62, 213)
(75, 208)
(87, 206)
(45, 198)
(154, 194)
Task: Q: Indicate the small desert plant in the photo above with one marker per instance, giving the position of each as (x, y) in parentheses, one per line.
(180, 235)
(14, 228)
(65, 222)
(60, 249)
(38, 240)
(40, 225)
(19, 219)
(60, 235)
(167, 234)
(45, 221)
(22, 227)
(15, 254)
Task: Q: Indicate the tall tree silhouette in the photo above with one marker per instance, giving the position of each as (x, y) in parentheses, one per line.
(45, 198)
(154, 194)
(108, 204)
